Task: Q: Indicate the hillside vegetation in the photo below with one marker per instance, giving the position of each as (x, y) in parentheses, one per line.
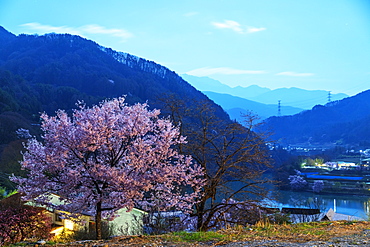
(344, 122)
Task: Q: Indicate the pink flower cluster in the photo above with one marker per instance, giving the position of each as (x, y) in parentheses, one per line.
(107, 157)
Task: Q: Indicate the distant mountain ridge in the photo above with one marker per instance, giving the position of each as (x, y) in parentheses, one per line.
(297, 97)
(211, 85)
(343, 122)
(293, 97)
(237, 106)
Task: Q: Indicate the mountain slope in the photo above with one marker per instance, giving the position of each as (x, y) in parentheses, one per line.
(234, 106)
(340, 122)
(206, 84)
(5, 36)
(56, 64)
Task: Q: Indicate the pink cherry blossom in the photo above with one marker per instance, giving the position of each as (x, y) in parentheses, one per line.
(107, 157)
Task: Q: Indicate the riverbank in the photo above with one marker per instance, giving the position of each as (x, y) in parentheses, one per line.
(343, 192)
(353, 205)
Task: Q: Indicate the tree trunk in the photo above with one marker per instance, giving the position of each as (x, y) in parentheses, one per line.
(200, 216)
(200, 227)
(98, 221)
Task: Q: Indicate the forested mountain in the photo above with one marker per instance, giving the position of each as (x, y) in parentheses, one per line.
(54, 71)
(74, 66)
(344, 122)
(44, 73)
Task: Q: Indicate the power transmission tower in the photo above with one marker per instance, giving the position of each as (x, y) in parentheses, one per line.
(329, 96)
(279, 108)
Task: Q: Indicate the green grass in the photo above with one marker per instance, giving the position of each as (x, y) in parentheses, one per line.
(195, 236)
(30, 244)
(263, 230)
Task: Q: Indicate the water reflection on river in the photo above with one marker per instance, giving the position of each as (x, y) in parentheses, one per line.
(352, 205)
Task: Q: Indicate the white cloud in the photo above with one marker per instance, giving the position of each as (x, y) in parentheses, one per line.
(255, 29)
(51, 29)
(81, 31)
(207, 71)
(290, 73)
(96, 29)
(237, 27)
(228, 24)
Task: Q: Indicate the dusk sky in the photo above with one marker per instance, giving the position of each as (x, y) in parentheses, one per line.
(310, 44)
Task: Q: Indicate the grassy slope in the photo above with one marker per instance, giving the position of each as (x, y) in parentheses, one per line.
(293, 233)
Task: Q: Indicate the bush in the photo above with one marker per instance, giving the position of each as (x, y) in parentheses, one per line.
(318, 186)
(280, 218)
(19, 222)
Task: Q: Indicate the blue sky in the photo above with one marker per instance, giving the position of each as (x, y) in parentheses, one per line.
(310, 44)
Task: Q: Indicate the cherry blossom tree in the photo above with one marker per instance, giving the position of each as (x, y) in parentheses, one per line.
(107, 157)
(297, 182)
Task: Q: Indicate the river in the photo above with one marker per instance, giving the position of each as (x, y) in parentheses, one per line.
(352, 205)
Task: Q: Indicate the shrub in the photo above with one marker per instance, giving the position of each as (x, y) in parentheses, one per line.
(297, 182)
(318, 186)
(19, 222)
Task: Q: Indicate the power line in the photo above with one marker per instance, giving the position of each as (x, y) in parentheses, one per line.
(356, 87)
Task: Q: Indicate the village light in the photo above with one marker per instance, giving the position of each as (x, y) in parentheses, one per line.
(68, 224)
(57, 231)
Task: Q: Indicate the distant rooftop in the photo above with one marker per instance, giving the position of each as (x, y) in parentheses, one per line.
(334, 177)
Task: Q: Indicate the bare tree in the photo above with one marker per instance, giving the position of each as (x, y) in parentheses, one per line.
(232, 155)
